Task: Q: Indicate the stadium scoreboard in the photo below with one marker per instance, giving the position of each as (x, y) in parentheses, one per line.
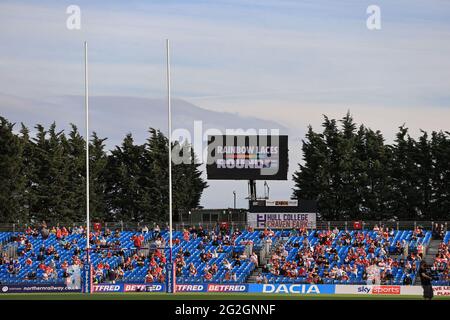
(247, 157)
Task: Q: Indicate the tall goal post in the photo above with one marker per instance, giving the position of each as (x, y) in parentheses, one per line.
(87, 268)
(170, 269)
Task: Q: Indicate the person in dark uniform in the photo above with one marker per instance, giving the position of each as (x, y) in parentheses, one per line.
(425, 280)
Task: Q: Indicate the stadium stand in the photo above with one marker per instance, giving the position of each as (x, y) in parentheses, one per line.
(219, 256)
(441, 264)
(46, 259)
(211, 259)
(340, 257)
(5, 237)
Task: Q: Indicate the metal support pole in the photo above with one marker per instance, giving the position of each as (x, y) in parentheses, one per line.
(86, 104)
(169, 122)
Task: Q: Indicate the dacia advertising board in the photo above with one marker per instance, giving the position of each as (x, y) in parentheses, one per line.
(211, 287)
(292, 288)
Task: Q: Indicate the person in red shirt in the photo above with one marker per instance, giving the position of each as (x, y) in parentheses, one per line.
(64, 265)
(28, 262)
(186, 235)
(48, 270)
(137, 240)
(208, 276)
(158, 270)
(58, 234)
(302, 272)
(149, 278)
(214, 268)
(192, 270)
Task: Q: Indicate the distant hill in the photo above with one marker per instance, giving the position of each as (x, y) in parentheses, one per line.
(114, 116)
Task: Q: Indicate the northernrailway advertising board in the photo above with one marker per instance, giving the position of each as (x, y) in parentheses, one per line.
(241, 157)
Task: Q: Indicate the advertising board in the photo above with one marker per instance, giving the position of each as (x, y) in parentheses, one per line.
(281, 220)
(292, 288)
(28, 288)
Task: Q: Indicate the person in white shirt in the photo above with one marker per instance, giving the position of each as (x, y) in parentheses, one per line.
(259, 278)
(373, 275)
(227, 264)
(254, 259)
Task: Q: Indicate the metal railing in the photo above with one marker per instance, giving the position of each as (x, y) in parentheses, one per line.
(320, 225)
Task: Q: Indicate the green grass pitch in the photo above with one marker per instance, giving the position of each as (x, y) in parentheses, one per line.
(200, 296)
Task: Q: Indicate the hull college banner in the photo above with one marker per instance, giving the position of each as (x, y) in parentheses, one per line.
(281, 220)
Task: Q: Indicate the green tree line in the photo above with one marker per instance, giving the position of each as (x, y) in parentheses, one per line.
(354, 174)
(42, 177)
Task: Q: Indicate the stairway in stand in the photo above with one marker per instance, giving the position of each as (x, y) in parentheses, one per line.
(256, 271)
(431, 251)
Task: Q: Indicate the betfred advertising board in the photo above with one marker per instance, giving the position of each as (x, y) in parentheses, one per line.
(129, 287)
(212, 287)
(133, 287)
(107, 288)
(191, 287)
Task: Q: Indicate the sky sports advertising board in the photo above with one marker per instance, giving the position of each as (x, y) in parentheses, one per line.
(246, 157)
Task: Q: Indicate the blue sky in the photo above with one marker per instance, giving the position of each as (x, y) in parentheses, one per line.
(284, 61)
